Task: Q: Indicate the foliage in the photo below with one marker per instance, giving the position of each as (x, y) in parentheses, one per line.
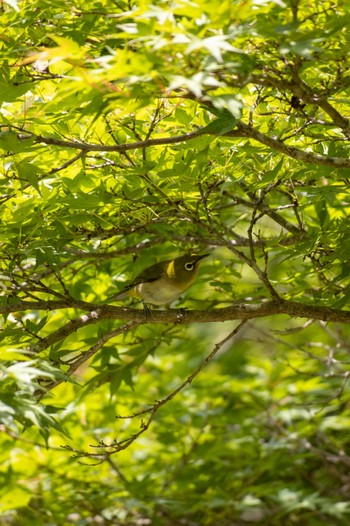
(132, 133)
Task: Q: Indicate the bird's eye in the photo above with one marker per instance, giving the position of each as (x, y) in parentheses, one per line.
(189, 266)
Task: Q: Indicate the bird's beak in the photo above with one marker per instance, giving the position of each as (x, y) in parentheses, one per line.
(201, 257)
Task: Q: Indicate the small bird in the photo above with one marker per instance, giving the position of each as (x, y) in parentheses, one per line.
(163, 282)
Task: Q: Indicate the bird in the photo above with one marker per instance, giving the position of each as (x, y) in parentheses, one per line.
(164, 282)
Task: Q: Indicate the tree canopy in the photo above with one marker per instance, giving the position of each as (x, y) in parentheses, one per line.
(132, 133)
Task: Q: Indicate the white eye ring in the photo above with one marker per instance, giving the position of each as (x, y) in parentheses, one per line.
(189, 266)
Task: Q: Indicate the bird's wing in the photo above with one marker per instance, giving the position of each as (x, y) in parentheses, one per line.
(146, 276)
(150, 274)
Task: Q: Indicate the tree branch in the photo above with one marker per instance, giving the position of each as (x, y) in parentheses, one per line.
(189, 380)
(302, 91)
(236, 312)
(242, 130)
(84, 356)
(266, 210)
(305, 93)
(106, 450)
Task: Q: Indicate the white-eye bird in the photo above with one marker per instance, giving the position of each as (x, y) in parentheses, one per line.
(163, 282)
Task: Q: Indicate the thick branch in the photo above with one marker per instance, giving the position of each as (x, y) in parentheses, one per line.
(263, 207)
(237, 312)
(303, 92)
(96, 313)
(242, 130)
(18, 306)
(122, 148)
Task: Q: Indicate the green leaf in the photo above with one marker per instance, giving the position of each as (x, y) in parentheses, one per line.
(224, 124)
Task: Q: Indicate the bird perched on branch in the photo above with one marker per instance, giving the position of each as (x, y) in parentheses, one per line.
(164, 282)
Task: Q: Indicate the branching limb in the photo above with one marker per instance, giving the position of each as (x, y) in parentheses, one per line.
(83, 357)
(262, 275)
(110, 449)
(302, 91)
(69, 328)
(63, 166)
(242, 130)
(97, 313)
(190, 378)
(305, 93)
